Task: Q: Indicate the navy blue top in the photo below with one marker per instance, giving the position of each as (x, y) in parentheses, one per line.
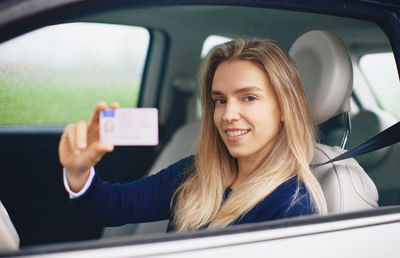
(149, 199)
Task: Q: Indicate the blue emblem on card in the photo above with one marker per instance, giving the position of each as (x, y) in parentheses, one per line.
(108, 113)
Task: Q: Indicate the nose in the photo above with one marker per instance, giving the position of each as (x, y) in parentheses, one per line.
(231, 112)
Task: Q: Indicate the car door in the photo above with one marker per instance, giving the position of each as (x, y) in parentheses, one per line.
(53, 76)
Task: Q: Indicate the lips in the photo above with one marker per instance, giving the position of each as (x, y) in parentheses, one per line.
(235, 134)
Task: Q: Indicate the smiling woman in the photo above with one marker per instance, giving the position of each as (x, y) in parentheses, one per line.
(253, 110)
(251, 162)
(248, 135)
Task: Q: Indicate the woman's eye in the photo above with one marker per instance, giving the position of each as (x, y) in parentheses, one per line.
(249, 98)
(219, 101)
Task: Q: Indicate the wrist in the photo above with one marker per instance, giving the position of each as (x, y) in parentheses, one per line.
(76, 180)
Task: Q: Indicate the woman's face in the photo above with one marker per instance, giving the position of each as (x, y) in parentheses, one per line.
(247, 113)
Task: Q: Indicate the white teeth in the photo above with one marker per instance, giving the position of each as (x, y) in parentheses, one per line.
(236, 133)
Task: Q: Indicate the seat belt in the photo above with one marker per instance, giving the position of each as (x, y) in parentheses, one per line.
(383, 139)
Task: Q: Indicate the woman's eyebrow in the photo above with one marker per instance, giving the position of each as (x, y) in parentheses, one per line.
(237, 91)
(247, 89)
(216, 93)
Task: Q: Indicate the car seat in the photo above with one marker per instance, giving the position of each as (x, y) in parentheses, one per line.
(326, 71)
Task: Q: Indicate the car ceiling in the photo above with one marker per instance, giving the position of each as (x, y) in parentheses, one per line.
(193, 23)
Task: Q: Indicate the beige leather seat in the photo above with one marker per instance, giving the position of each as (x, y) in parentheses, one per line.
(325, 68)
(326, 71)
(345, 184)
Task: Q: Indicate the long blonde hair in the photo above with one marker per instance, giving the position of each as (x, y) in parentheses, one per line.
(199, 202)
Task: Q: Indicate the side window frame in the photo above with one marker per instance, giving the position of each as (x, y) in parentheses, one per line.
(154, 69)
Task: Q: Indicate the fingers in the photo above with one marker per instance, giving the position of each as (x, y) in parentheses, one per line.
(103, 148)
(94, 154)
(69, 134)
(96, 112)
(99, 107)
(81, 135)
(79, 147)
(97, 151)
(75, 137)
(114, 105)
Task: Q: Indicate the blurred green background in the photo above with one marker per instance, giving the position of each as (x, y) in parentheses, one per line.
(27, 99)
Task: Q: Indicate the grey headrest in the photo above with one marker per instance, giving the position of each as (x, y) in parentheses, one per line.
(326, 71)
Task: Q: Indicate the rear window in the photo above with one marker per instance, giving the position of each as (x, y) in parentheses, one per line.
(56, 74)
(380, 71)
(212, 41)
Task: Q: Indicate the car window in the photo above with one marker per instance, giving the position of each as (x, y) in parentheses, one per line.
(209, 43)
(74, 65)
(380, 72)
(212, 41)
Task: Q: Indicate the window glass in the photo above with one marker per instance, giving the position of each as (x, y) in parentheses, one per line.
(212, 41)
(381, 73)
(56, 74)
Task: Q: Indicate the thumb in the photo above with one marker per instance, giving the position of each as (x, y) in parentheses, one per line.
(98, 151)
(93, 155)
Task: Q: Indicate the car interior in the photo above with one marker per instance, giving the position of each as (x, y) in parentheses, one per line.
(327, 51)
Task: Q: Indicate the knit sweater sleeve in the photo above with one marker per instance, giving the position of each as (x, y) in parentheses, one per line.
(143, 200)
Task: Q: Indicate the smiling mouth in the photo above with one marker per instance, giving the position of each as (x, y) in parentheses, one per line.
(233, 133)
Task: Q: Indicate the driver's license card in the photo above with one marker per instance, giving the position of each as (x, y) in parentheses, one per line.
(129, 126)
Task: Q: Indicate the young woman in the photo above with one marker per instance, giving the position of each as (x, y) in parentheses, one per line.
(252, 160)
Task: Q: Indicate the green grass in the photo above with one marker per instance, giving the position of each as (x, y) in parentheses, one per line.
(27, 99)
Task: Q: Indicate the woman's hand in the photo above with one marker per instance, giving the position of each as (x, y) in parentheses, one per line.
(80, 148)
